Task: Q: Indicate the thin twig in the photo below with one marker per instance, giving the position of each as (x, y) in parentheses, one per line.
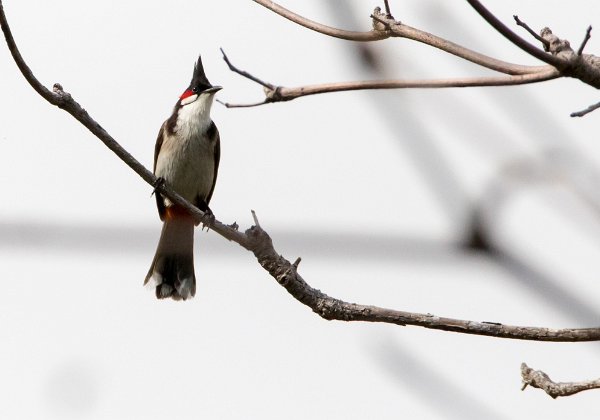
(245, 74)
(539, 379)
(260, 244)
(586, 111)
(255, 218)
(532, 32)
(588, 35)
(250, 105)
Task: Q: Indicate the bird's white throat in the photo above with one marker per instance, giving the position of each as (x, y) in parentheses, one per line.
(193, 117)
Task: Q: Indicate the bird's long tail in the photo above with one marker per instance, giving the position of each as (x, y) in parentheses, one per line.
(172, 270)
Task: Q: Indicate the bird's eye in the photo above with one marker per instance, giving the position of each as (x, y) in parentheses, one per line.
(195, 90)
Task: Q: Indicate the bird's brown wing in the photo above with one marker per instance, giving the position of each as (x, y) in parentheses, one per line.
(160, 204)
(213, 133)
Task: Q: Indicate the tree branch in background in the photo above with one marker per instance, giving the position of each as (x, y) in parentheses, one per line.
(256, 240)
(538, 379)
(385, 26)
(559, 55)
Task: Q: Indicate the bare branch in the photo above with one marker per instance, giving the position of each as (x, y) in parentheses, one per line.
(588, 35)
(282, 93)
(260, 244)
(586, 111)
(513, 37)
(585, 67)
(538, 379)
(532, 32)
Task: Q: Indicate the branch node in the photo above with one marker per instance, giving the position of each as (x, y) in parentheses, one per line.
(539, 379)
(296, 263)
(381, 21)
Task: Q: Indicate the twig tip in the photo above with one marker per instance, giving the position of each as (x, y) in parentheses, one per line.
(255, 218)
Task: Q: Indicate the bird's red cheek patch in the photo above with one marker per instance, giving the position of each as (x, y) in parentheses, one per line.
(186, 94)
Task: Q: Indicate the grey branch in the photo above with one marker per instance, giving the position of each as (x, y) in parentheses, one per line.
(256, 240)
(539, 379)
(586, 111)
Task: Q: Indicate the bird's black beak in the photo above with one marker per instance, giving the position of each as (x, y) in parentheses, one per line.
(213, 89)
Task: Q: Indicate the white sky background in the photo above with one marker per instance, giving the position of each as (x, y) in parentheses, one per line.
(333, 179)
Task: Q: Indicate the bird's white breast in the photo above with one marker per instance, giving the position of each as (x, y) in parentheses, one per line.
(187, 157)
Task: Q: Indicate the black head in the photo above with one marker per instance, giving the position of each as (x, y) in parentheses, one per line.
(199, 80)
(198, 85)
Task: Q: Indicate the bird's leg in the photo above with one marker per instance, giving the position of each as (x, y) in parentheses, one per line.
(209, 218)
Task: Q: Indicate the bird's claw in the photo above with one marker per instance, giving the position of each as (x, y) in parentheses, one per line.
(207, 220)
(159, 183)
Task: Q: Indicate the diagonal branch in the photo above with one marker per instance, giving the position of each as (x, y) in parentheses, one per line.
(256, 240)
(275, 93)
(539, 379)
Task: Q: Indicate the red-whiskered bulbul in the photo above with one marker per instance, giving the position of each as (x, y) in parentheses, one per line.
(186, 157)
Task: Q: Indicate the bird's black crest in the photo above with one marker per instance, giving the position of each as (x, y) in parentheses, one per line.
(199, 79)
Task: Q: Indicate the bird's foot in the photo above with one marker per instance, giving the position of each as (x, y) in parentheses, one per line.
(208, 219)
(159, 183)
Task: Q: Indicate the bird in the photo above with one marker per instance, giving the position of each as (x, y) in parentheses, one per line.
(186, 157)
